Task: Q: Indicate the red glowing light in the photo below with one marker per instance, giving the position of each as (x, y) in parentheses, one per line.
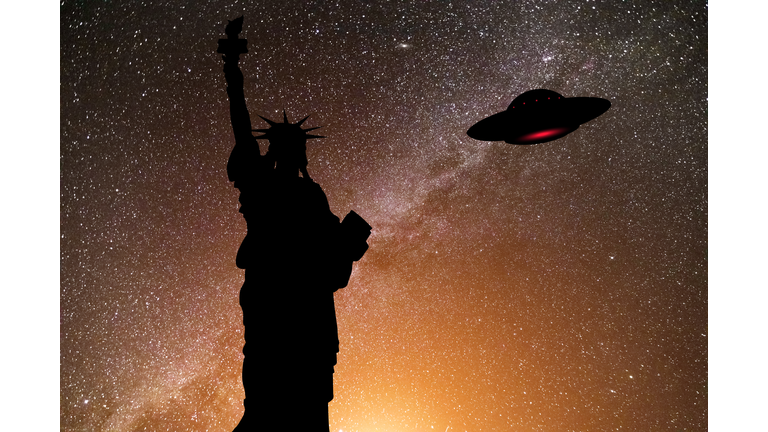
(544, 134)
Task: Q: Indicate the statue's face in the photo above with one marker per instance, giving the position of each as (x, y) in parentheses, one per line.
(288, 137)
(287, 142)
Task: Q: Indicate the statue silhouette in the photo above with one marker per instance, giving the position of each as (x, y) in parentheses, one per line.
(288, 145)
(296, 254)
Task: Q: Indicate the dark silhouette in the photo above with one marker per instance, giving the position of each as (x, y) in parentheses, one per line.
(538, 116)
(288, 145)
(296, 254)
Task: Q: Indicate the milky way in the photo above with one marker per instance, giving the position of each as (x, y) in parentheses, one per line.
(559, 287)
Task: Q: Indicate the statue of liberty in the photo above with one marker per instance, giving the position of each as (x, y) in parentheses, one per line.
(295, 254)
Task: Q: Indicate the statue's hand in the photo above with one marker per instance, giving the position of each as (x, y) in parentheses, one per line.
(233, 73)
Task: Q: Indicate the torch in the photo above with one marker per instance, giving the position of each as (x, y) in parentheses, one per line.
(232, 46)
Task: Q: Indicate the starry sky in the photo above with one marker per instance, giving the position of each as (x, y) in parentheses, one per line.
(559, 287)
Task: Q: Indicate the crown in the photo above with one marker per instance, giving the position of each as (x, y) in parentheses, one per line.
(286, 129)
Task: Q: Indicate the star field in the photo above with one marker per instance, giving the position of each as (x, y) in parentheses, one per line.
(560, 286)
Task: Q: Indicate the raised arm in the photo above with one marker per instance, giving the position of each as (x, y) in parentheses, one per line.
(246, 151)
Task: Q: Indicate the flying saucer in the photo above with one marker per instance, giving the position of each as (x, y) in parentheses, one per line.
(538, 116)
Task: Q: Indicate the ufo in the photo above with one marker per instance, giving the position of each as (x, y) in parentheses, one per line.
(538, 116)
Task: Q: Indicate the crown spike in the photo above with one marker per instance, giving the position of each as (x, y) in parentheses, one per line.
(308, 136)
(311, 129)
(302, 121)
(271, 123)
(285, 116)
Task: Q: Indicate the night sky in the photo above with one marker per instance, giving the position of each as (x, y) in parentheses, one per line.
(554, 287)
